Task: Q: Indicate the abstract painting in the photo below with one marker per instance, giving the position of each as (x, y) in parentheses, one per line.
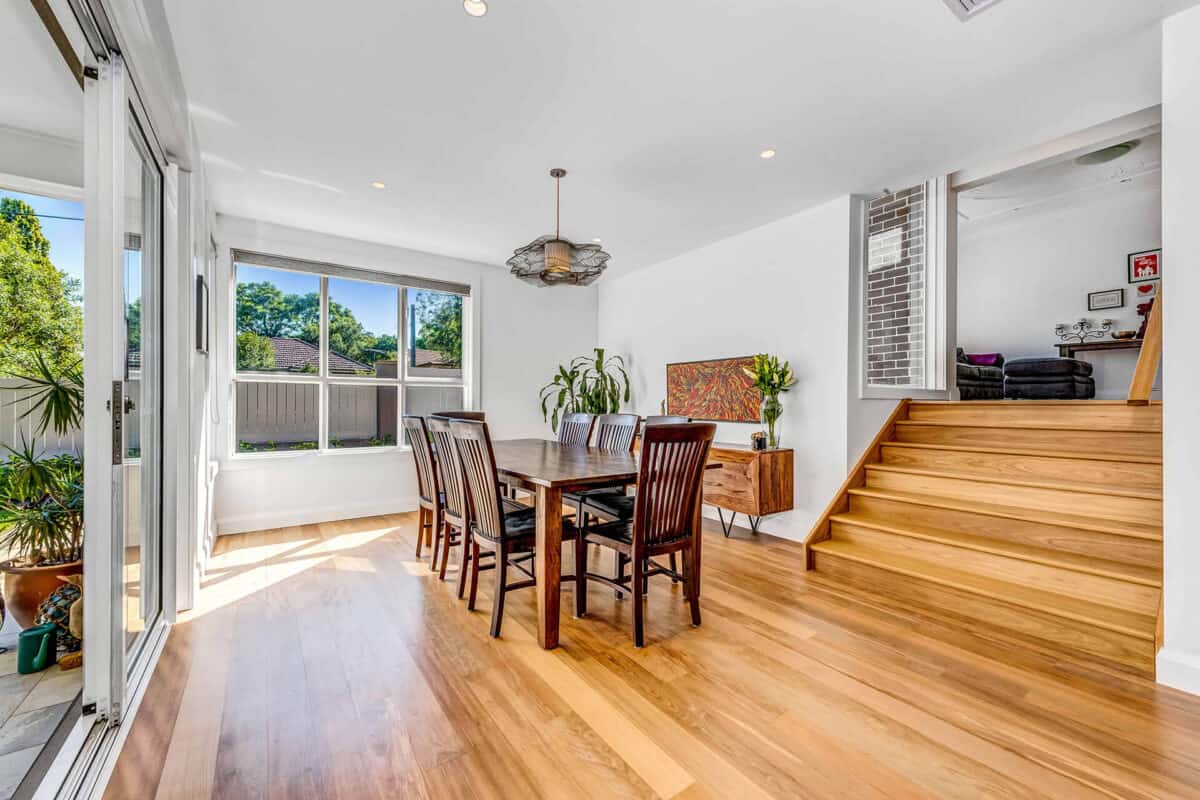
(714, 391)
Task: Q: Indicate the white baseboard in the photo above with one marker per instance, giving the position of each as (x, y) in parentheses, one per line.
(288, 517)
(1179, 670)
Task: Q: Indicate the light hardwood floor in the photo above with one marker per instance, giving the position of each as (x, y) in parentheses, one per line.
(325, 661)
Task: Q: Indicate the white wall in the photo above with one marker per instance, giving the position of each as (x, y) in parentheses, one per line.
(1179, 660)
(524, 333)
(779, 289)
(41, 157)
(1020, 273)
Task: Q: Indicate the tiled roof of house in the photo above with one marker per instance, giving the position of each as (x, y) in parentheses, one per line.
(430, 358)
(297, 355)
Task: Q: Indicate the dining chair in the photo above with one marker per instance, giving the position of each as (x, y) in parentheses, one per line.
(492, 530)
(429, 493)
(576, 429)
(477, 416)
(665, 519)
(667, 419)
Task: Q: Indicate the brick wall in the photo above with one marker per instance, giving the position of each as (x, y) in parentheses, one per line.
(895, 287)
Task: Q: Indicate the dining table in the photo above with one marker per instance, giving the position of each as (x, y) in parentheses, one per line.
(547, 469)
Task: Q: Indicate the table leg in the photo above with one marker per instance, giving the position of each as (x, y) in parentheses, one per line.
(548, 568)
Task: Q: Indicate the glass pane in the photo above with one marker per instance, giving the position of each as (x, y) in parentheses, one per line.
(362, 416)
(143, 384)
(362, 328)
(277, 416)
(425, 400)
(278, 320)
(895, 289)
(435, 344)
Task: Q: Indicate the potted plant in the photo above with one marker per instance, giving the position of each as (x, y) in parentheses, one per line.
(41, 498)
(592, 384)
(41, 527)
(771, 378)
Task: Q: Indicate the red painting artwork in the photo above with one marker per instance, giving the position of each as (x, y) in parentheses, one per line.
(716, 391)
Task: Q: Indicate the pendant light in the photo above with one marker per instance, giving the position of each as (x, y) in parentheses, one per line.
(553, 260)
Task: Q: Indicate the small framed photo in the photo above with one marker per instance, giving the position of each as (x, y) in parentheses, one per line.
(201, 315)
(1112, 298)
(1145, 266)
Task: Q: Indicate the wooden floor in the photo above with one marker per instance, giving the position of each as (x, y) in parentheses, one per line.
(326, 662)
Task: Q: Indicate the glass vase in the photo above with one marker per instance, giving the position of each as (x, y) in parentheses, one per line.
(771, 410)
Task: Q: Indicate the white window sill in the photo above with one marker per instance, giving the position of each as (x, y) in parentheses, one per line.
(902, 392)
(244, 461)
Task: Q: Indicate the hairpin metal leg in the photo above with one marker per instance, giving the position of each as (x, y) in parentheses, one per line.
(754, 522)
(726, 527)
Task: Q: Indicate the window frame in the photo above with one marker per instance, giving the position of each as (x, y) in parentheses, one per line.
(324, 379)
(940, 287)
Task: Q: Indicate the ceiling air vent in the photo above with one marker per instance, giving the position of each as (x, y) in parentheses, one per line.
(967, 9)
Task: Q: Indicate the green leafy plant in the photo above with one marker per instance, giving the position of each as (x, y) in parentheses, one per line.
(303, 446)
(245, 447)
(592, 384)
(41, 507)
(771, 378)
(57, 393)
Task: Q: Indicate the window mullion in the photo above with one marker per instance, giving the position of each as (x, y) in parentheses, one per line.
(323, 357)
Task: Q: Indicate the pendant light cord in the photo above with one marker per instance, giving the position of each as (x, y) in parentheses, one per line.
(557, 206)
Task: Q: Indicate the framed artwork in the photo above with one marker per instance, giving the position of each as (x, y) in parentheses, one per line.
(1145, 292)
(201, 315)
(1145, 266)
(1112, 298)
(717, 390)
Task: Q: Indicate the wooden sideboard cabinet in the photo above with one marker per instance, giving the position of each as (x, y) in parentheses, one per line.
(750, 482)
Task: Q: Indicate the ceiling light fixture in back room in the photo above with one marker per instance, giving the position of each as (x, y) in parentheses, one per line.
(553, 260)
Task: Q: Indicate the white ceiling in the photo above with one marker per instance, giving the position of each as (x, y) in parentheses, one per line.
(657, 109)
(37, 92)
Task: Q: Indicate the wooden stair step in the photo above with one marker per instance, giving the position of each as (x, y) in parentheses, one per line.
(1124, 503)
(1104, 415)
(1073, 438)
(1127, 623)
(1080, 521)
(1132, 573)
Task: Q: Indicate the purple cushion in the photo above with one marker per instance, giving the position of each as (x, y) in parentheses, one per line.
(985, 359)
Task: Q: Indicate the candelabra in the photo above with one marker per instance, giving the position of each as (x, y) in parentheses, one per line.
(1083, 330)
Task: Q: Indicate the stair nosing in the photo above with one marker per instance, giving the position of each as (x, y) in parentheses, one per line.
(829, 548)
(1031, 555)
(1017, 451)
(1135, 494)
(1046, 426)
(1094, 524)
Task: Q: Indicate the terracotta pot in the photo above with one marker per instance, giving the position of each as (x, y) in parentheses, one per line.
(26, 587)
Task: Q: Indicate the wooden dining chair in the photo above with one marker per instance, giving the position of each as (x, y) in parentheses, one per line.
(665, 519)
(477, 416)
(492, 530)
(667, 419)
(429, 494)
(576, 429)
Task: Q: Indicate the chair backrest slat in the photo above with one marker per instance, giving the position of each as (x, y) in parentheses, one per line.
(667, 419)
(418, 437)
(477, 416)
(450, 470)
(669, 481)
(474, 445)
(576, 429)
(616, 432)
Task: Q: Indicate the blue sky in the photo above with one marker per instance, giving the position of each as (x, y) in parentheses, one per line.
(65, 235)
(373, 304)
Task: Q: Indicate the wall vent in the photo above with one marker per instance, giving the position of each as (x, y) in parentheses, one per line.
(968, 9)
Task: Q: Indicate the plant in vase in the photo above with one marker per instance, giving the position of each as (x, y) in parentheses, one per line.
(771, 378)
(592, 384)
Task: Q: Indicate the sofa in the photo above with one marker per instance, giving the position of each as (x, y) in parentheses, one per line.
(980, 377)
(1048, 379)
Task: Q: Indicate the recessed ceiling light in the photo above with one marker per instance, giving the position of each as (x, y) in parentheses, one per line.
(476, 8)
(768, 153)
(379, 184)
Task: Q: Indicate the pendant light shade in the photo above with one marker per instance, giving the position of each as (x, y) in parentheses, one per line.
(553, 260)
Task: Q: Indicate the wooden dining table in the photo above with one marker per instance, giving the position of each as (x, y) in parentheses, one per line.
(548, 469)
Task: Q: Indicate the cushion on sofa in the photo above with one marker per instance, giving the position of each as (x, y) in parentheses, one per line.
(1043, 367)
(973, 373)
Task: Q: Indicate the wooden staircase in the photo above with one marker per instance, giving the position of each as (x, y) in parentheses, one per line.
(1035, 523)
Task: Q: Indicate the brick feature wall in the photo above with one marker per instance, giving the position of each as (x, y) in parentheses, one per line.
(895, 286)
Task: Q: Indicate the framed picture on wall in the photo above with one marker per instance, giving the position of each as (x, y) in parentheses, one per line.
(1145, 266)
(1111, 298)
(201, 315)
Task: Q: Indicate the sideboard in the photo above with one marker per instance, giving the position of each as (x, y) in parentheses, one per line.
(751, 482)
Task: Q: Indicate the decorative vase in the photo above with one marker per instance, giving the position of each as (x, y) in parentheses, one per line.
(26, 587)
(771, 410)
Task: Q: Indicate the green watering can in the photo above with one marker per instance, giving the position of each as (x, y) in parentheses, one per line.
(37, 648)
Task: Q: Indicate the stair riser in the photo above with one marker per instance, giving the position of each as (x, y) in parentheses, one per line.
(1142, 444)
(994, 619)
(1108, 417)
(1098, 505)
(1103, 590)
(1111, 547)
(1022, 467)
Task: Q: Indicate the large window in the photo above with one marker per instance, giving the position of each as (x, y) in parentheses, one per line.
(329, 358)
(903, 292)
